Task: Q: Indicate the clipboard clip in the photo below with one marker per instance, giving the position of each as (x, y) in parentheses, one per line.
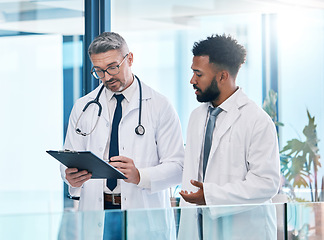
(66, 150)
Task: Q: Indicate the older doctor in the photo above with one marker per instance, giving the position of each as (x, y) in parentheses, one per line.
(152, 160)
(231, 152)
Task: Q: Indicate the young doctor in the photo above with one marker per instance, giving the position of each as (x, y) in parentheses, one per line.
(145, 144)
(231, 155)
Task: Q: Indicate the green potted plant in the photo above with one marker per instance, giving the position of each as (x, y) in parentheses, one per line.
(300, 163)
(300, 160)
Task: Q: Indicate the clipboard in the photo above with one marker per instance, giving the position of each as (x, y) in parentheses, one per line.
(86, 160)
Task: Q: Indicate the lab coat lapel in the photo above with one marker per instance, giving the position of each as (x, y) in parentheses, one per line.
(231, 116)
(133, 104)
(134, 101)
(228, 121)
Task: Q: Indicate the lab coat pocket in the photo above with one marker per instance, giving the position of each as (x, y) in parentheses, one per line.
(231, 160)
(237, 160)
(236, 151)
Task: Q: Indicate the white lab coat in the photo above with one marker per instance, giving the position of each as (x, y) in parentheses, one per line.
(243, 168)
(159, 153)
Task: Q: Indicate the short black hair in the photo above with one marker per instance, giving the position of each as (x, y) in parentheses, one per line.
(223, 51)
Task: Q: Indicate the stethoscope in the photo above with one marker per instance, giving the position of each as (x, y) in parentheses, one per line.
(139, 130)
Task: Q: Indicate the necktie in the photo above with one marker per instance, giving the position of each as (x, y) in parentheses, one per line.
(213, 112)
(113, 145)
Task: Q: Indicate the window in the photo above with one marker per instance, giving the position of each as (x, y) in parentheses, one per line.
(41, 59)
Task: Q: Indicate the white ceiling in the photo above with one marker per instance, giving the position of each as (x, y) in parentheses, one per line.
(53, 16)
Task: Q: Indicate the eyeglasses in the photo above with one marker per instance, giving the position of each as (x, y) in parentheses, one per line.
(112, 70)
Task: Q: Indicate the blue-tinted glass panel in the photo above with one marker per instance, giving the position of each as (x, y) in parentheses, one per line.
(41, 59)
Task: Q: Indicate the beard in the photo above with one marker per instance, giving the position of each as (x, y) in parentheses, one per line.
(114, 89)
(210, 94)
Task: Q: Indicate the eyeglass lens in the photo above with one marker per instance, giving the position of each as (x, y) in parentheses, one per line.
(113, 70)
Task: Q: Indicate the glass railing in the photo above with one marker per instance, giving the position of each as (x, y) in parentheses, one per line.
(267, 221)
(304, 220)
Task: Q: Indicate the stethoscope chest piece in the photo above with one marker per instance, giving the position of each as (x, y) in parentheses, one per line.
(139, 130)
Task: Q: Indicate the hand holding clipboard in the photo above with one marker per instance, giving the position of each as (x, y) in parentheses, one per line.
(86, 160)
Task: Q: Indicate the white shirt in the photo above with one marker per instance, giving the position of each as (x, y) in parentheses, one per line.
(128, 94)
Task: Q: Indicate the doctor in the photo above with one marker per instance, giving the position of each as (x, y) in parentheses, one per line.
(151, 159)
(231, 154)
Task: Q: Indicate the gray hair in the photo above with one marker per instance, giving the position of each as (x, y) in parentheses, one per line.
(108, 41)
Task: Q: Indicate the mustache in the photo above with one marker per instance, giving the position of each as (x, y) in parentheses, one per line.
(106, 83)
(197, 88)
(112, 80)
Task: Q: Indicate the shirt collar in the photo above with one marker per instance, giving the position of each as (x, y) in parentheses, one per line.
(228, 103)
(128, 92)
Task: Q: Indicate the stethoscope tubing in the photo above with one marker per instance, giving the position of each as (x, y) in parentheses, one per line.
(140, 100)
(139, 130)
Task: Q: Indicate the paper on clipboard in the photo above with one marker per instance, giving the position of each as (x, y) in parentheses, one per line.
(86, 160)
